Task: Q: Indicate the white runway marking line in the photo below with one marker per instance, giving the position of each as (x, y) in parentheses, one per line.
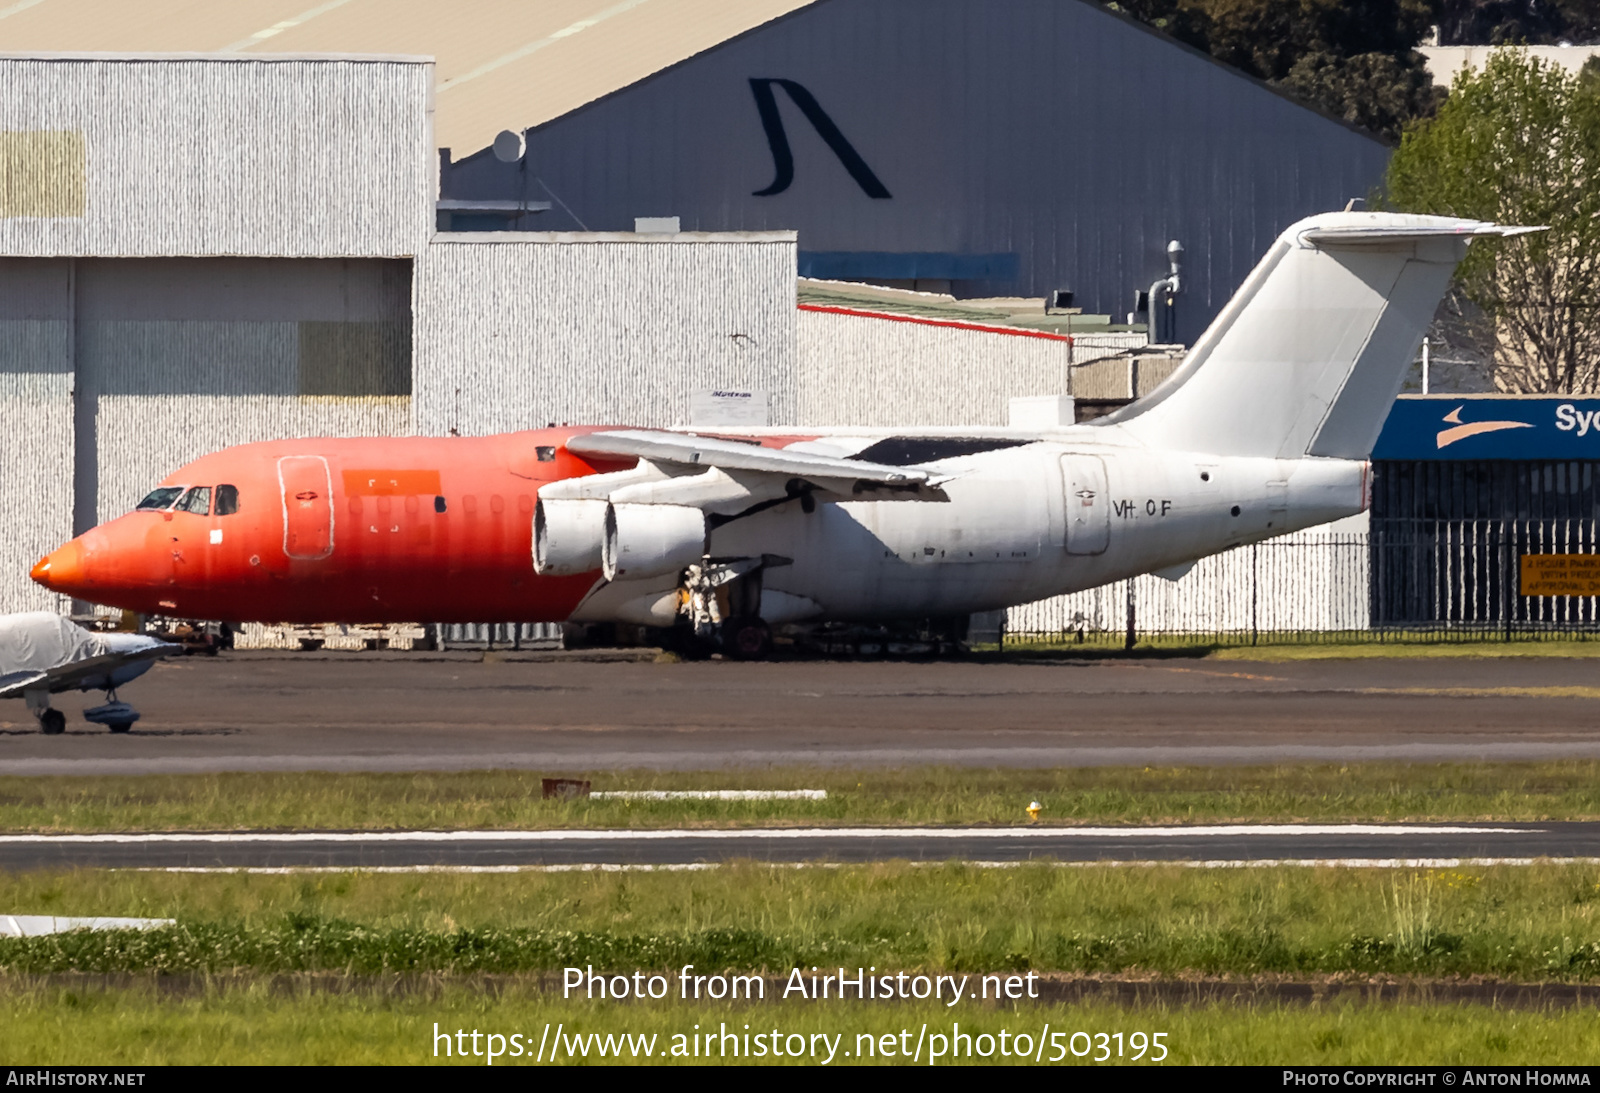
(700, 867)
(710, 795)
(771, 833)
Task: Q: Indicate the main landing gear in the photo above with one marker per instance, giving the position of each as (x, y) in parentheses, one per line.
(722, 603)
(746, 638)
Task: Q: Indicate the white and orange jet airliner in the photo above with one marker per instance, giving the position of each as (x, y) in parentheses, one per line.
(1265, 429)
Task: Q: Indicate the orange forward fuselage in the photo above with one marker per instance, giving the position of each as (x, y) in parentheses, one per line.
(404, 529)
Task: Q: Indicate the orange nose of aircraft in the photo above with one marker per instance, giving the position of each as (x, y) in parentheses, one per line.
(62, 570)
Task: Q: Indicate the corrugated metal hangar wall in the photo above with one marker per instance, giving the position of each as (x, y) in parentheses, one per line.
(197, 253)
(1011, 147)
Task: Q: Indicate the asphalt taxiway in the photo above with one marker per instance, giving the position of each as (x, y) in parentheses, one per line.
(566, 713)
(1219, 844)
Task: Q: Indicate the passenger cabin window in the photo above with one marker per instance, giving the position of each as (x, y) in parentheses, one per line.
(159, 498)
(197, 501)
(227, 501)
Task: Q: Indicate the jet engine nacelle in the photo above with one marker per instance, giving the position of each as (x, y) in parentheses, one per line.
(651, 540)
(568, 536)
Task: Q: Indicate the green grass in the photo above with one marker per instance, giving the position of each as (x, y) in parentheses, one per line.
(266, 1023)
(1551, 790)
(1532, 923)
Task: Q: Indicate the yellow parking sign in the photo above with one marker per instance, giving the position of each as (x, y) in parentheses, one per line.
(1561, 574)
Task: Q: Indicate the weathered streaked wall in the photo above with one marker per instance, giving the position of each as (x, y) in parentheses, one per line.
(35, 424)
(138, 156)
(881, 371)
(517, 331)
(178, 357)
(1314, 580)
(114, 372)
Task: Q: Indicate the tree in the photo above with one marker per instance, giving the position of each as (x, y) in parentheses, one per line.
(1518, 22)
(1353, 59)
(1518, 143)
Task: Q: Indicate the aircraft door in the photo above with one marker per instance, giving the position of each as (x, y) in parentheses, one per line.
(1087, 504)
(307, 506)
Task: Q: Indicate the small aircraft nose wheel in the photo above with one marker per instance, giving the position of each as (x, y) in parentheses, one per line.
(52, 722)
(747, 638)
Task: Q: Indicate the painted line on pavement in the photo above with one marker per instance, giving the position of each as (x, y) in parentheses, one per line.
(700, 867)
(770, 833)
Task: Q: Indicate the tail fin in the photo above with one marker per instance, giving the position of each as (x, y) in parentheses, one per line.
(1309, 354)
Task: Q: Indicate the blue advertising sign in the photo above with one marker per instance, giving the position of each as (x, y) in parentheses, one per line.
(1441, 427)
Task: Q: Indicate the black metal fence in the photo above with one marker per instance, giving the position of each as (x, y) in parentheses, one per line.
(1406, 580)
(1466, 575)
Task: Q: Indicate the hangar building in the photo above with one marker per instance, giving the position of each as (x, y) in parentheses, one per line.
(197, 252)
(1001, 148)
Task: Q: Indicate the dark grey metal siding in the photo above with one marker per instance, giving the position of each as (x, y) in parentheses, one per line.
(1049, 136)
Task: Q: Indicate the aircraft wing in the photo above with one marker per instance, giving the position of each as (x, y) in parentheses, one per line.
(13, 684)
(841, 479)
(39, 649)
(100, 668)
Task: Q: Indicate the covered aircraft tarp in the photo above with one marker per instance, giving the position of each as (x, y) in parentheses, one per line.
(37, 641)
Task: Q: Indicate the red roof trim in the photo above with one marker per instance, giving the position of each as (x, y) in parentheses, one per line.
(935, 322)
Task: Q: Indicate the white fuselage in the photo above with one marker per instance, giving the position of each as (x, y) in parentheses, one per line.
(1087, 506)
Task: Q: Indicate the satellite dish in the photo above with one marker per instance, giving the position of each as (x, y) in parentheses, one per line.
(509, 146)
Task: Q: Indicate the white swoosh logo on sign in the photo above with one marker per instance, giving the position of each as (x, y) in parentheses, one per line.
(1448, 437)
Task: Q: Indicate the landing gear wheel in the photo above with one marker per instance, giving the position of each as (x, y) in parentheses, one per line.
(747, 638)
(120, 726)
(52, 722)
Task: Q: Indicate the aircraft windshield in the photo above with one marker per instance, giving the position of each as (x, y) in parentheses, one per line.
(197, 500)
(160, 498)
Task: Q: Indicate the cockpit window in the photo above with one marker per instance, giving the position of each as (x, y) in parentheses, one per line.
(197, 501)
(160, 498)
(227, 501)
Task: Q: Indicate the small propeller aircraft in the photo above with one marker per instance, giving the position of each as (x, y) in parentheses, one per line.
(1265, 429)
(42, 654)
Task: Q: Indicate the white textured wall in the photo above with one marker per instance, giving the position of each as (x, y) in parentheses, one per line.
(35, 477)
(1307, 581)
(144, 438)
(517, 331)
(242, 156)
(870, 371)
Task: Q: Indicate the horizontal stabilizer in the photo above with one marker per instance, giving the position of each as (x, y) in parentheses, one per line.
(1359, 236)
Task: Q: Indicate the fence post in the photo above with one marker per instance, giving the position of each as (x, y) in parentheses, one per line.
(1505, 577)
(1128, 643)
(1255, 581)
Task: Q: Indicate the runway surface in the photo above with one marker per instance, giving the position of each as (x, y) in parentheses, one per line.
(1345, 843)
(562, 714)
